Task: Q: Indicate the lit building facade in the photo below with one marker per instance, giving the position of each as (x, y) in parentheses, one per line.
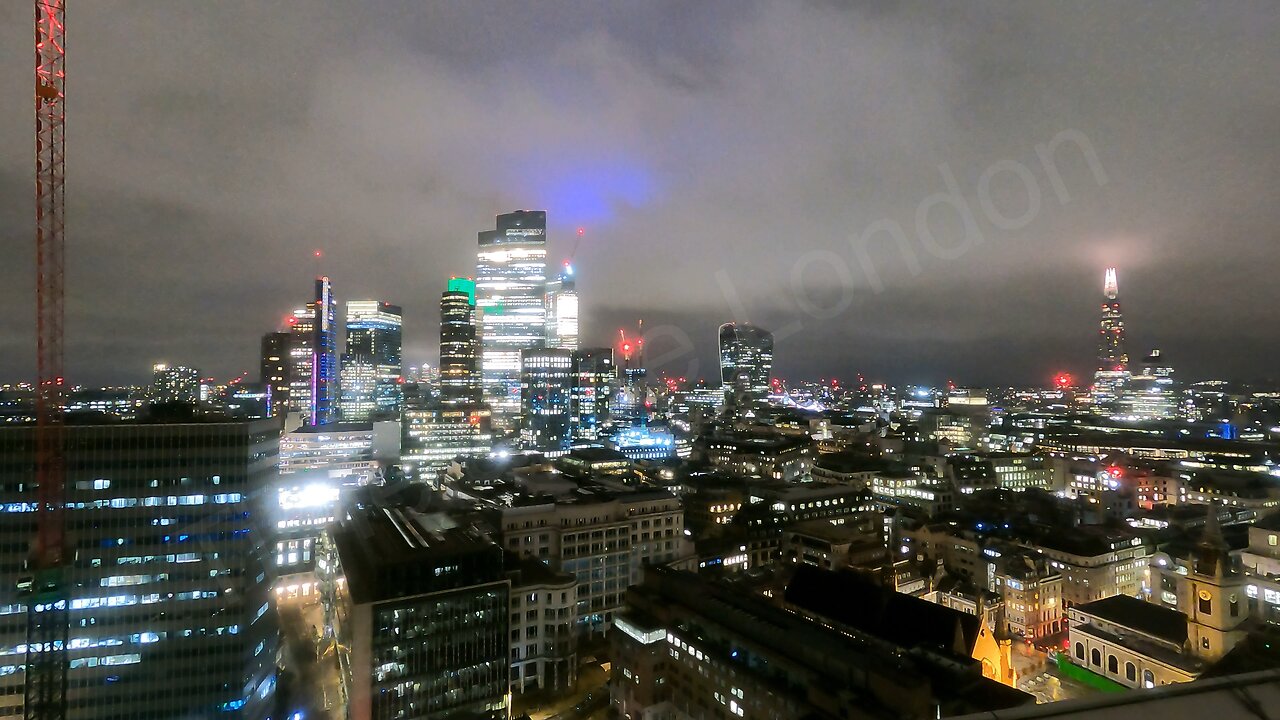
(420, 611)
(546, 391)
(274, 368)
(436, 433)
(595, 379)
(1113, 359)
(1151, 394)
(459, 344)
(511, 286)
(603, 542)
(746, 362)
(174, 384)
(169, 609)
(562, 310)
(313, 353)
(371, 364)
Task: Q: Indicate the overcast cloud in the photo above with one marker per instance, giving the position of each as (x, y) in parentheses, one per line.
(214, 145)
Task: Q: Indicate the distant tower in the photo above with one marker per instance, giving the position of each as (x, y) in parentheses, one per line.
(511, 288)
(1113, 360)
(371, 364)
(546, 400)
(274, 369)
(459, 344)
(1212, 595)
(595, 379)
(313, 353)
(174, 384)
(746, 362)
(562, 311)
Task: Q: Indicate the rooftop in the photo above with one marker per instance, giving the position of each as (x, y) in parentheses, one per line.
(1149, 618)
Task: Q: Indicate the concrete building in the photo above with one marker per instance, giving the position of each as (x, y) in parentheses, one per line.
(773, 457)
(339, 446)
(604, 540)
(544, 645)
(420, 609)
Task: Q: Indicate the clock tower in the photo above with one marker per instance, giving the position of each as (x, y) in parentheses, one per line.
(1212, 596)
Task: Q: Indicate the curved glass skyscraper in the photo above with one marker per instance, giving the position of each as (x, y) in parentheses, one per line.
(746, 361)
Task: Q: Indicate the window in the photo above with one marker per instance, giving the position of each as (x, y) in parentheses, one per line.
(1271, 540)
(1095, 656)
(1130, 672)
(1204, 643)
(1235, 605)
(1148, 679)
(1113, 665)
(1205, 602)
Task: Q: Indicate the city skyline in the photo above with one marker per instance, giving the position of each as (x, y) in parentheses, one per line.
(633, 155)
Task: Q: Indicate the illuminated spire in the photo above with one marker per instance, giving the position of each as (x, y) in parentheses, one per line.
(1110, 286)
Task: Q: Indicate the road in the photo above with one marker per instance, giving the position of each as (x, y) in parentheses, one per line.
(315, 689)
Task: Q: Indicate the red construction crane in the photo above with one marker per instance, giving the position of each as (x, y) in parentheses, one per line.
(45, 586)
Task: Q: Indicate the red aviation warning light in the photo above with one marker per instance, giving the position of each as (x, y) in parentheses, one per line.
(1064, 380)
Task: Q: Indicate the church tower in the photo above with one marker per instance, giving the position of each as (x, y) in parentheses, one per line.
(1212, 596)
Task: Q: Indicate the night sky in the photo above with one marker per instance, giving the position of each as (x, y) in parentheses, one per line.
(723, 158)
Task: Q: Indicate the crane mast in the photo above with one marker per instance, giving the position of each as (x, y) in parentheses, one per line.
(47, 622)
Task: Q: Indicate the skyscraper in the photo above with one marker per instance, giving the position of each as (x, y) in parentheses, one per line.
(168, 601)
(746, 361)
(1113, 360)
(562, 310)
(313, 355)
(371, 364)
(274, 369)
(595, 379)
(459, 345)
(511, 285)
(546, 391)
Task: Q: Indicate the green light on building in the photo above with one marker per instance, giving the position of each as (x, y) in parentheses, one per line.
(466, 285)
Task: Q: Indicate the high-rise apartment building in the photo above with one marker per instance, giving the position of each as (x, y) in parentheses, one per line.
(511, 285)
(168, 601)
(371, 363)
(459, 344)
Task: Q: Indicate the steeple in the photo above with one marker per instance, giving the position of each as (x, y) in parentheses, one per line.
(1110, 285)
(1212, 552)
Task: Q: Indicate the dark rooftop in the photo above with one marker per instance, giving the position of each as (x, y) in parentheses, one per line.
(908, 622)
(1149, 618)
